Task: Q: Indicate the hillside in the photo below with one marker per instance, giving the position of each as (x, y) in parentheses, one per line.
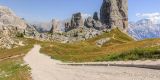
(88, 50)
(11, 26)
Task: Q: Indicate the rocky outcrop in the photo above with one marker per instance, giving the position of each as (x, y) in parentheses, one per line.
(68, 26)
(56, 28)
(9, 19)
(101, 42)
(114, 13)
(94, 22)
(11, 27)
(75, 22)
(95, 16)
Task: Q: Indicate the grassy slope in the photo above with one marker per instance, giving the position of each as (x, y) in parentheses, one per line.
(87, 50)
(120, 47)
(145, 49)
(12, 69)
(119, 44)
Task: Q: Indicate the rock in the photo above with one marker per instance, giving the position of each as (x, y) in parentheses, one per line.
(8, 18)
(101, 42)
(114, 13)
(77, 20)
(97, 25)
(68, 26)
(7, 38)
(56, 27)
(95, 16)
(10, 28)
(91, 23)
(31, 31)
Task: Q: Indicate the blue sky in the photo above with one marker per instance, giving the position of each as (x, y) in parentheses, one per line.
(139, 9)
(45, 10)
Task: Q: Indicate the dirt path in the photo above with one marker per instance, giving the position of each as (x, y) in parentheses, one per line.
(45, 68)
(11, 57)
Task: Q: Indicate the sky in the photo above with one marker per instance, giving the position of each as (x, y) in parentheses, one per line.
(45, 10)
(139, 9)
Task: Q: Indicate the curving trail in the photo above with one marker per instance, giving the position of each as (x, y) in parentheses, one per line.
(45, 68)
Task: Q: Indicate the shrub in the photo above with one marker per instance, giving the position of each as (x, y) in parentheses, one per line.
(20, 35)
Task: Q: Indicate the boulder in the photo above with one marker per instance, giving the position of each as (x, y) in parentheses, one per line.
(92, 23)
(101, 42)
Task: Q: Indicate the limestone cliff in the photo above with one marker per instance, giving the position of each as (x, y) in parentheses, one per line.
(115, 13)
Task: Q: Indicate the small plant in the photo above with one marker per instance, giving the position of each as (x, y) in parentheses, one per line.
(20, 35)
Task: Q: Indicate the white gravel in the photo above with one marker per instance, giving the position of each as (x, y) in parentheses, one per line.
(45, 68)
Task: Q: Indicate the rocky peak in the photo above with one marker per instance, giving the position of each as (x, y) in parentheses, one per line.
(95, 16)
(9, 19)
(114, 13)
(77, 20)
(56, 27)
(11, 26)
(5, 10)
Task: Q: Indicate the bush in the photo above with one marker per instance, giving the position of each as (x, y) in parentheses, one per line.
(135, 54)
(20, 35)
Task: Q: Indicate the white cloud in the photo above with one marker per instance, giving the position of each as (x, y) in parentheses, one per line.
(155, 17)
(85, 15)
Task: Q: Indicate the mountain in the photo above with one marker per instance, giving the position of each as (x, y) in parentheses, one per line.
(143, 29)
(10, 27)
(77, 28)
(8, 19)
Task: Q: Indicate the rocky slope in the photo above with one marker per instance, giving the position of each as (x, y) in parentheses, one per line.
(10, 27)
(143, 29)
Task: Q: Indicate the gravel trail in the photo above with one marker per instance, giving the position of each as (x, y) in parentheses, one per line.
(45, 68)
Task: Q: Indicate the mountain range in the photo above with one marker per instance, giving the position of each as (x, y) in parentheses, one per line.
(144, 29)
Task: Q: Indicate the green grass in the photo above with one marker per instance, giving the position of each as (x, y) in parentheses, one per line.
(151, 53)
(116, 37)
(14, 69)
(4, 53)
(83, 52)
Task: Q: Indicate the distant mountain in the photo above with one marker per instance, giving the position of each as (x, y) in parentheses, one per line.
(143, 29)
